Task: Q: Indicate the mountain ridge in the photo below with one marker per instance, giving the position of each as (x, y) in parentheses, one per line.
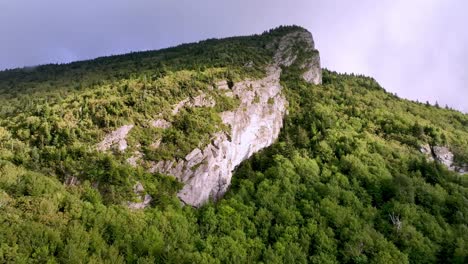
(215, 162)
(355, 174)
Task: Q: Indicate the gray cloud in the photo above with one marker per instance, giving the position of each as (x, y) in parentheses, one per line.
(417, 49)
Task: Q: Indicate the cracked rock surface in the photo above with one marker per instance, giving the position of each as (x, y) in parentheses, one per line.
(255, 125)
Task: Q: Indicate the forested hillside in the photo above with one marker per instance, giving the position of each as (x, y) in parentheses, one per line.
(345, 183)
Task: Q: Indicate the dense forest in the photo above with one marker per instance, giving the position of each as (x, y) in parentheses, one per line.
(345, 182)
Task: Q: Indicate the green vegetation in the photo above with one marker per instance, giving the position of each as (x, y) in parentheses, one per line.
(345, 183)
(53, 116)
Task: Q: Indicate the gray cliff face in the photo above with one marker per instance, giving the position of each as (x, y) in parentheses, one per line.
(287, 54)
(444, 156)
(254, 125)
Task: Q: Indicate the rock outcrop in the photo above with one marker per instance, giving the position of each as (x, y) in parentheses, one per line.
(427, 151)
(288, 52)
(160, 123)
(201, 100)
(116, 138)
(255, 124)
(146, 199)
(444, 156)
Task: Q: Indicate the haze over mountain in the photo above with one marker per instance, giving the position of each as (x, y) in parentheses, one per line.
(417, 49)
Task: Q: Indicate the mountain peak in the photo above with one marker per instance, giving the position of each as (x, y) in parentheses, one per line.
(296, 45)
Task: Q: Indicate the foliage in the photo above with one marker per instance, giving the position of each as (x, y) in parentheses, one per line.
(345, 183)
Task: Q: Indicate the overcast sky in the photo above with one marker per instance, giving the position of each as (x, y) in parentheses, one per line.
(415, 48)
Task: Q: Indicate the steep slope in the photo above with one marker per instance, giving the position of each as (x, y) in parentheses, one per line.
(254, 124)
(345, 172)
(195, 120)
(146, 108)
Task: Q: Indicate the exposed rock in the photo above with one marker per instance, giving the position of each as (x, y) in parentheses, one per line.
(117, 137)
(427, 151)
(138, 189)
(286, 54)
(229, 94)
(194, 158)
(156, 144)
(161, 123)
(196, 152)
(254, 126)
(141, 205)
(201, 100)
(133, 160)
(179, 106)
(222, 85)
(314, 72)
(444, 156)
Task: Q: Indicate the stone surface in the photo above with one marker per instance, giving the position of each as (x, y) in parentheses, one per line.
(138, 188)
(141, 205)
(444, 156)
(427, 151)
(255, 124)
(179, 106)
(314, 72)
(133, 160)
(222, 85)
(115, 138)
(156, 143)
(146, 199)
(201, 100)
(160, 123)
(286, 54)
